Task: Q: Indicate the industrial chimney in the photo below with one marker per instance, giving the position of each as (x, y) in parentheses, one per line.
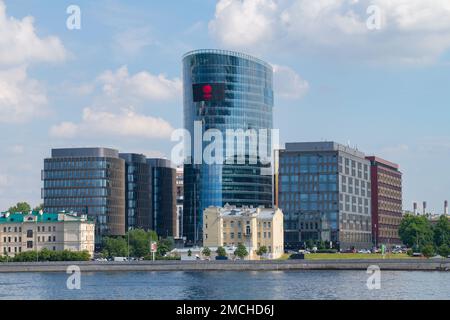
(446, 207)
(415, 209)
(424, 208)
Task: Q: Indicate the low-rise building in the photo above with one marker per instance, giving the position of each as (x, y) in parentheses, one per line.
(20, 232)
(252, 227)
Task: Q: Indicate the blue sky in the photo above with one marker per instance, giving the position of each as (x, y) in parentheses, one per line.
(116, 82)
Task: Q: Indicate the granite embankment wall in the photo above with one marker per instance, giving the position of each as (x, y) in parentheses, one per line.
(200, 266)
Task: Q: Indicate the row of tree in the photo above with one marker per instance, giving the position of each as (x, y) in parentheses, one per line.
(24, 207)
(136, 243)
(47, 255)
(420, 235)
(241, 251)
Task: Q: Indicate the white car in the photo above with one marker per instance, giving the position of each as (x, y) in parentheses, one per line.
(364, 251)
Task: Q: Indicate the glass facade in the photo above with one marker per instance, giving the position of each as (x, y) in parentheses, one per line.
(224, 90)
(324, 191)
(138, 209)
(164, 200)
(87, 181)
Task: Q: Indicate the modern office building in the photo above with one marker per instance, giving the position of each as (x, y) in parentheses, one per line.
(180, 196)
(21, 232)
(87, 181)
(387, 208)
(138, 209)
(252, 227)
(324, 191)
(163, 186)
(224, 90)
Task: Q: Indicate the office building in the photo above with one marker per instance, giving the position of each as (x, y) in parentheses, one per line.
(163, 187)
(180, 196)
(387, 209)
(252, 227)
(324, 191)
(138, 212)
(87, 181)
(21, 232)
(224, 90)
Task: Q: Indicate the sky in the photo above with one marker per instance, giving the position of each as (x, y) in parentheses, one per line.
(116, 82)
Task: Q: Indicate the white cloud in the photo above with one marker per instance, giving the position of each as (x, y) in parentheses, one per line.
(142, 85)
(412, 31)
(21, 98)
(126, 123)
(244, 23)
(19, 43)
(288, 84)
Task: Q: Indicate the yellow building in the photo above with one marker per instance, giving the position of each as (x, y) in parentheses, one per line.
(252, 227)
(53, 231)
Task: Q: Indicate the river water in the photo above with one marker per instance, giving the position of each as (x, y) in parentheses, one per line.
(227, 285)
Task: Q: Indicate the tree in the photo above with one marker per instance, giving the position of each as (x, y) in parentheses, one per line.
(140, 241)
(416, 231)
(444, 250)
(165, 245)
(206, 252)
(442, 232)
(221, 252)
(114, 247)
(189, 253)
(261, 251)
(39, 207)
(241, 251)
(428, 251)
(309, 244)
(23, 207)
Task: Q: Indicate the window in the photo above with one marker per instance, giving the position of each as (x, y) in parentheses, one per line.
(29, 233)
(29, 244)
(49, 239)
(54, 238)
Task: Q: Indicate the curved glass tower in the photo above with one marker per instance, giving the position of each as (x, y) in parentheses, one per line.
(225, 90)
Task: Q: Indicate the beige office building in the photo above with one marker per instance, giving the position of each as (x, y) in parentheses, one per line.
(252, 227)
(37, 230)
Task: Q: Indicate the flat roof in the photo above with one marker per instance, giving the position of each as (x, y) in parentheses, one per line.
(322, 146)
(85, 152)
(384, 162)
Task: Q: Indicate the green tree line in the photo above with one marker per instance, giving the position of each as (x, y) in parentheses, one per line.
(47, 255)
(136, 243)
(418, 233)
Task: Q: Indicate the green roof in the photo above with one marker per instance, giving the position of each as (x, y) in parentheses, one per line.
(20, 217)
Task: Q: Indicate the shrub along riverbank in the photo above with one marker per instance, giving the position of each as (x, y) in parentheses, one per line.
(47, 255)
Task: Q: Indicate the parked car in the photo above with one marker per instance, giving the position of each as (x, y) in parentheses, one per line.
(364, 251)
(221, 258)
(304, 251)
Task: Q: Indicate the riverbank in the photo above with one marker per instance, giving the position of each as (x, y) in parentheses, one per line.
(200, 266)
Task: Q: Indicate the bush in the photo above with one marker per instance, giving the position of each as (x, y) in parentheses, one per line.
(47, 255)
(410, 252)
(221, 252)
(444, 250)
(428, 251)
